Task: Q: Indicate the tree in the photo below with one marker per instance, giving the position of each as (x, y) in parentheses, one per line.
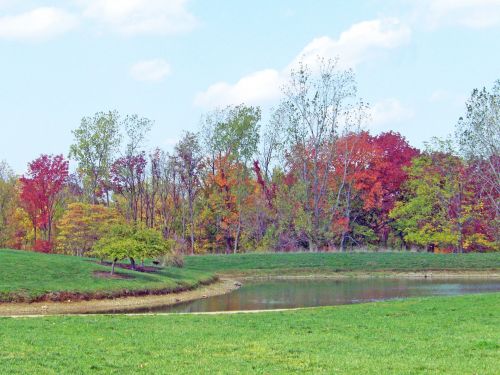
(316, 105)
(441, 206)
(7, 202)
(40, 193)
(81, 225)
(132, 242)
(478, 135)
(96, 141)
(231, 138)
(189, 162)
(127, 178)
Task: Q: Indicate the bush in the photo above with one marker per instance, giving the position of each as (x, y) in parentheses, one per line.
(172, 260)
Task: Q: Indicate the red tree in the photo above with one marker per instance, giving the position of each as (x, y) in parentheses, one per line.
(40, 194)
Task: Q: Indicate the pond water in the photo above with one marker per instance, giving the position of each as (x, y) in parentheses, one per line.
(280, 294)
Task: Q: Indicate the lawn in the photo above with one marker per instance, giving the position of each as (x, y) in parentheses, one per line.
(336, 262)
(452, 335)
(28, 276)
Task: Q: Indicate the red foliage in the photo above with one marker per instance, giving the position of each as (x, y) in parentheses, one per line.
(43, 246)
(40, 189)
(269, 192)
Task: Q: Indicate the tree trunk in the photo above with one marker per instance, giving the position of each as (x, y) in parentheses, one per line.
(191, 219)
(132, 263)
(113, 266)
(238, 231)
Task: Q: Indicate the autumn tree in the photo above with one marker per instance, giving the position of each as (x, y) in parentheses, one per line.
(40, 193)
(82, 225)
(231, 137)
(318, 103)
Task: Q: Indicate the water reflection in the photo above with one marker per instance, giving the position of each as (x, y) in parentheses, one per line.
(278, 294)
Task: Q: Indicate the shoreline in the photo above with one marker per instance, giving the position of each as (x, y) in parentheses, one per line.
(335, 275)
(227, 283)
(10, 309)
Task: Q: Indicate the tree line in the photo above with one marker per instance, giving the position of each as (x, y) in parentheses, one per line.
(311, 179)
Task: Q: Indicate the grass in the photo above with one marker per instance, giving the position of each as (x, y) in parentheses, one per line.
(452, 335)
(29, 276)
(336, 262)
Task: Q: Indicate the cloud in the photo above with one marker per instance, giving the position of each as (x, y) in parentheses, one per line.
(154, 70)
(359, 43)
(468, 13)
(264, 85)
(38, 24)
(389, 111)
(132, 17)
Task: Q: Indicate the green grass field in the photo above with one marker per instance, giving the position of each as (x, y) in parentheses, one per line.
(27, 276)
(441, 335)
(344, 262)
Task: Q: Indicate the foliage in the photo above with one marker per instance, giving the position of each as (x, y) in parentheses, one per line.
(130, 241)
(442, 206)
(81, 225)
(40, 194)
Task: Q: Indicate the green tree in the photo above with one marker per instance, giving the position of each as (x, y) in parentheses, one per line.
(439, 204)
(130, 241)
(96, 141)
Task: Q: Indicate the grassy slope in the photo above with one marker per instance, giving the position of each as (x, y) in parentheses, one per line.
(345, 262)
(28, 275)
(454, 335)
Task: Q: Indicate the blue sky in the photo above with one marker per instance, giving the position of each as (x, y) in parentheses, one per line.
(173, 60)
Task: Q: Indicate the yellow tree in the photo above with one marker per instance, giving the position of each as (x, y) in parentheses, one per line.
(82, 225)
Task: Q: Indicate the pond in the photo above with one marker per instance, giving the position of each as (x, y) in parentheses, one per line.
(293, 293)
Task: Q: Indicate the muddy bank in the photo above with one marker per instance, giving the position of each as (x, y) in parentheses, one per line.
(219, 287)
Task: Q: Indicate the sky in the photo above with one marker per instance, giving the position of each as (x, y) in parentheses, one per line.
(415, 62)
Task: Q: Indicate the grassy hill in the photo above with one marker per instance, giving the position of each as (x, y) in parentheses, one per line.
(29, 276)
(337, 262)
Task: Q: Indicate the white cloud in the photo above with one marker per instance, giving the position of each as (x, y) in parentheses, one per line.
(131, 17)
(468, 13)
(254, 88)
(389, 111)
(359, 43)
(150, 70)
(37, 24)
